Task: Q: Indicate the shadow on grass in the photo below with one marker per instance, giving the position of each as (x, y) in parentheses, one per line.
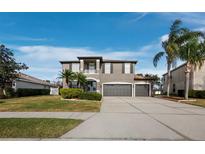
(2, 102)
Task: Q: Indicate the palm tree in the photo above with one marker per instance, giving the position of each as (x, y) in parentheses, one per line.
(81, 79)
(170, 50)
(191, 50)
(68, 75)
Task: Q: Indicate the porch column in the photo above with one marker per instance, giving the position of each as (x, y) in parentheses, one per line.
(97, 65)
(81, 65)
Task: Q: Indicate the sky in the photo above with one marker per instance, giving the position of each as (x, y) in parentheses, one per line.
(41, 40)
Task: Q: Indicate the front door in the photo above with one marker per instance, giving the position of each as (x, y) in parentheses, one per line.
(92, 85)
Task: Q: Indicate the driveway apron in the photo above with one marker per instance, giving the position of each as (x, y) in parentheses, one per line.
(142, 118)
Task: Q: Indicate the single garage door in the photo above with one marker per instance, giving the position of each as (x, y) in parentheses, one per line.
(141, 90)
(117, 90)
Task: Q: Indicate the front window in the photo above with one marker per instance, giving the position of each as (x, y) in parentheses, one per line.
(107, 68)
(75, 67)
(127, 68)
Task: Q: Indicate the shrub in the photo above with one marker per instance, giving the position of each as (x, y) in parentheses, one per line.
(70, 92)
(32, 92)
(9, 92)
(197, 93)
(91, 96)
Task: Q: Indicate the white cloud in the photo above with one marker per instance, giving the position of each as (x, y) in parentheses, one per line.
(202, 29)
(149, 70)
(45, 69)
(164, 37)
(44, 53)
(138, 17)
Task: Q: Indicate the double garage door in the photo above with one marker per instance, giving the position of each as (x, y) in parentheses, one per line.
(125, 90)
(117, 90)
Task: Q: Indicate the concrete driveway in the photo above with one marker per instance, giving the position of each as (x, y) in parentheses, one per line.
(142, 118)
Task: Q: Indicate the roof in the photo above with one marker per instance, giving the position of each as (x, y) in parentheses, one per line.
(176, 68)
(139, 77)
(28, 78)
(101, 58)
(91, 57)
(70, 61)
(119, 61)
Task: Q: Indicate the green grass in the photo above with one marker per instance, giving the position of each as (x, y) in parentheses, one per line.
(198, 102)
(47, 104)
(35, 127)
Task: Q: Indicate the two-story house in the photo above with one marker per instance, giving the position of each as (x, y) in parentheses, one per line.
(177, 80)
(110, 77)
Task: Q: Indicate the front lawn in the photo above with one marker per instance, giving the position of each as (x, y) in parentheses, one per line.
(48, 104)
(198, 102)
(35, 127)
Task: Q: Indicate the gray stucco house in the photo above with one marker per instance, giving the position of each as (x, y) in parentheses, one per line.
(30, 82)
(177, 85)
(110, 77)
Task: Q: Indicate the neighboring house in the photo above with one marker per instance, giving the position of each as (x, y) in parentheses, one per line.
(29, 82)
(110, 77)
(177, 85)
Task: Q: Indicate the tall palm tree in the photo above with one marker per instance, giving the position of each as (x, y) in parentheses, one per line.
(170, 50)
(68, 75)
(81, 79)
(191, 50)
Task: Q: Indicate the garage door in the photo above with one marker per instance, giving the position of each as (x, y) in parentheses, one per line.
(141, 90)
(117, 90)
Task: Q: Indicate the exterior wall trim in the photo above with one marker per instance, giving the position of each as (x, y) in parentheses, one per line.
(90, 78)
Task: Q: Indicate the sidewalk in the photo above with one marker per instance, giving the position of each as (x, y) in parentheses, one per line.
(63, 115)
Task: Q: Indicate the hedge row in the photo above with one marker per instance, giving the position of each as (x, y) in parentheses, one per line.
(90, 96)
(32, 92)
(69, 93)
(197, 93)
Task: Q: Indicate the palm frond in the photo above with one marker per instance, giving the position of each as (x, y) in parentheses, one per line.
(157, 57)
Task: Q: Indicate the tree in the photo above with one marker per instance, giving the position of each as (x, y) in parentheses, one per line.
(191, 50)
(155, 80)
(81, 79)
(170, 47)
(9, 68)
(68, 75)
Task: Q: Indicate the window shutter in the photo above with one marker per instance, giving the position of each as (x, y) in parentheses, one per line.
(111, 65)
(70, 66)
(103, 68)
(123, 68)
(131, 68)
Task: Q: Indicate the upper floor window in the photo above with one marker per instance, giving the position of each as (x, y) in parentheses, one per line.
(127, 68)
(75, 67)
(91, 67)
(107, 68)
